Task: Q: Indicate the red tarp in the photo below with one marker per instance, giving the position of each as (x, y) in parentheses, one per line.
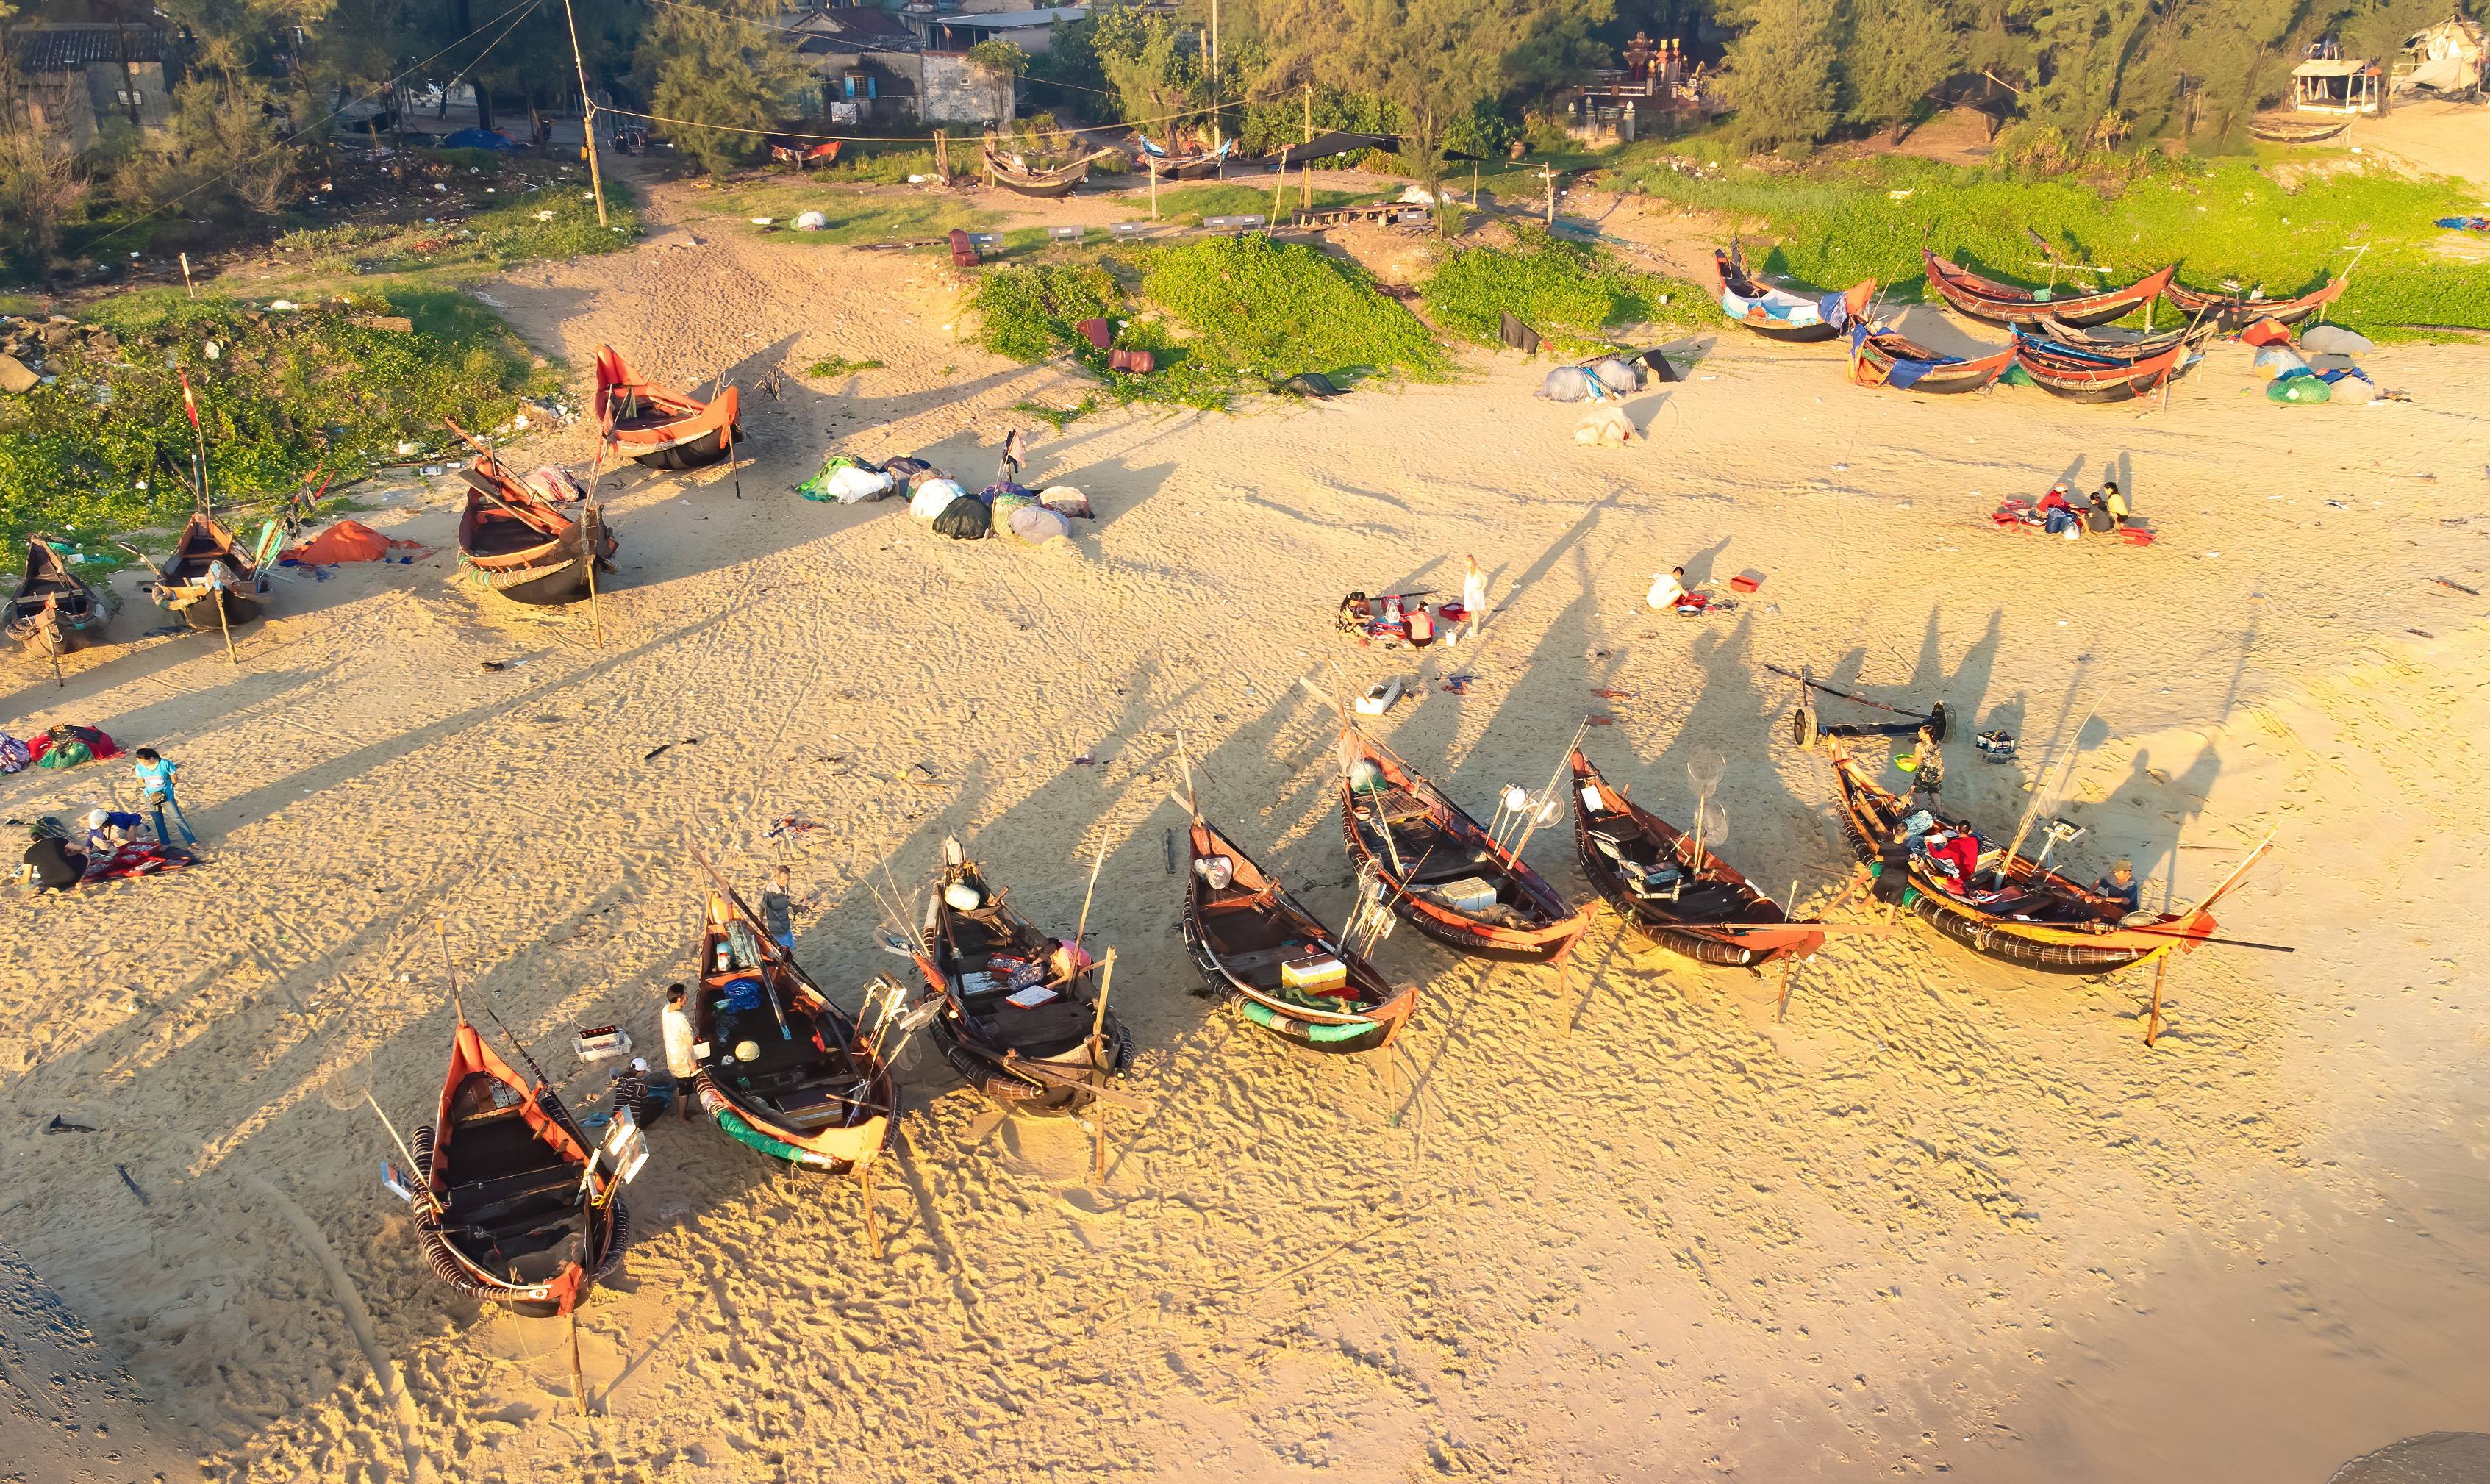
(348, 541)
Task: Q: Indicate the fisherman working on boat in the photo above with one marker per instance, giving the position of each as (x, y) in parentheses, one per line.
(1955, 855)
(631, 1094)
(779, 906)
(2122, 886)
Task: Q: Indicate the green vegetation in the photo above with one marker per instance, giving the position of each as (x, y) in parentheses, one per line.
(2226, 222)
(1187, 205)
(840, 367)
(1057, 418)
(1568, 292)
(108, 444)
(1219, 317)
(854, 216)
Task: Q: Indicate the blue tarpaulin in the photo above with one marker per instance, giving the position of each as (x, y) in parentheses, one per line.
(479, 140)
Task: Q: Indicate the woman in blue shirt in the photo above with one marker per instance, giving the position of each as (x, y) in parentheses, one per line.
(156, 792)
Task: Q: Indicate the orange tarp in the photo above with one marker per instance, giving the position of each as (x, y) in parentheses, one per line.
(347, 541)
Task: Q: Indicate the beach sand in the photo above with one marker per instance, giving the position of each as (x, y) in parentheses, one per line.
(1941, 1217)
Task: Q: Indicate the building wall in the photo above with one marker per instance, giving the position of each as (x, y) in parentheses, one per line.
(61, 106)
(105, 82)
(955, 90)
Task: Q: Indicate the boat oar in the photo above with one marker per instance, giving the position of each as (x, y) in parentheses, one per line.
(1097, 1040)
(591, 528)
(1830, 691)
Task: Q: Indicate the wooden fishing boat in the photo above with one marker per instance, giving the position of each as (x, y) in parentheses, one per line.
(2084, 377)
(1420, 843)
(2296, 133)
(209, 580)
(783, 1071)
(1181, 168)
(657, 426)
(1032, 1042)
(523, 547)
(2231, 313)
(2037, 919)
(1886, 357)
(1793, 319)
(1246, 929)
(1046, 184)
(1639, 862)
(1991, 302)
(2117, 345)
(513, 1208)
(55, 611)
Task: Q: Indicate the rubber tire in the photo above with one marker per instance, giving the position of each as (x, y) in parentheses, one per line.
(1803, 727)
(1938, 723)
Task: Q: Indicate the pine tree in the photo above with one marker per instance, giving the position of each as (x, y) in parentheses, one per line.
(1897, 51)
(1780, 72)
(708, 65)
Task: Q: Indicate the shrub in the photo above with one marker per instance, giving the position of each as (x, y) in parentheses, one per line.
(1565, 292)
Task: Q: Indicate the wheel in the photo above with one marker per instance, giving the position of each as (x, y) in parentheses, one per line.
(1937, 723)
(1803, 727)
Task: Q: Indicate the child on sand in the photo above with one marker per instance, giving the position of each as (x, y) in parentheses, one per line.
(155, 793)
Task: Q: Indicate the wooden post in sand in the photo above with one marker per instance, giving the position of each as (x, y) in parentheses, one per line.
(942, 155)
(2153, 1024)
(872, 1227)
(578, 1380)
(1097, 1036)
(225, 623)
(1278, 188)
(1154, 184)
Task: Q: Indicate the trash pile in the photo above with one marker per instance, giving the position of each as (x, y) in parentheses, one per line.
(1032, 517)
(2322, 366)
(64, 746)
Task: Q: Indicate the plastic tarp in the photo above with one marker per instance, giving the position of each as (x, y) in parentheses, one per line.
(2335, 340)
(932, 496)
(1036, 524)
(1570, 384)
(1791, 309)
(1615, 373)
(347, 541)
(478, 139)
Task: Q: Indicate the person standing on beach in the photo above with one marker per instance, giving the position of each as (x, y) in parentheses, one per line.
(1474, 596)
(155, 793)
(683, 1063)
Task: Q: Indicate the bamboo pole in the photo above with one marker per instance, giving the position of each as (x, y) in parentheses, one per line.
(1097, 1036)
(592, 530)
(871, 1223)
(2153, 1023)
(1279, 187)
(225, 623)
(578, 1380)
(1082, 929)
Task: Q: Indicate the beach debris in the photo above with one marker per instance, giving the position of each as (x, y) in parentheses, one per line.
(1459, 685)
(1613, 694)
(59, 1123)
(663, 747)
(2423, 633)
(2458, 586)
(133, 1184)
(793, 825)
(1170, 852)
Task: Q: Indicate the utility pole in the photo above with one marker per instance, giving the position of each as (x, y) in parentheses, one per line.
(586, 117)
(1214, 74)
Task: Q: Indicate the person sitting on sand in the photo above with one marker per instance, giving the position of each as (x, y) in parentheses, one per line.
(57, 867)
(2122, 886)
(1667, 589)
(631, 1093)
(2108, 510)
(107, 831)
(2058, 515)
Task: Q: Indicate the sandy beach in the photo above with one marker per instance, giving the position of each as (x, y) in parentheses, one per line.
(1939, 1217)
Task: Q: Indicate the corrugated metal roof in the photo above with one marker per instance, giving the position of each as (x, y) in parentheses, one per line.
(62, 49)
(864, 20)
(1008, 21)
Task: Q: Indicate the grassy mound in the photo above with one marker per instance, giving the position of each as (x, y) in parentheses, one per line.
(2227, 221)
(106, 445)
(1568, 292)
(1221, 316)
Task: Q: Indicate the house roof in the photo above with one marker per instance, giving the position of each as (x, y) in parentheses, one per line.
(864, 20)
(1006, 20)
(2329, 68)
(64, 49)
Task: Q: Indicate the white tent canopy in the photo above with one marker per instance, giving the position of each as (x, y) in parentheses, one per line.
(2445, 58)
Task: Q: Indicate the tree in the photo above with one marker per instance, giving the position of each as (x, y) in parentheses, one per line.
(1431, 59)
(710, 64)
(1780, 72)
(1898, 50)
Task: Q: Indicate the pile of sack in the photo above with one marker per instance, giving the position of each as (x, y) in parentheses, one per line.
(64, 746)
(1596, 381)
(2323, 366)
(1003, 508)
